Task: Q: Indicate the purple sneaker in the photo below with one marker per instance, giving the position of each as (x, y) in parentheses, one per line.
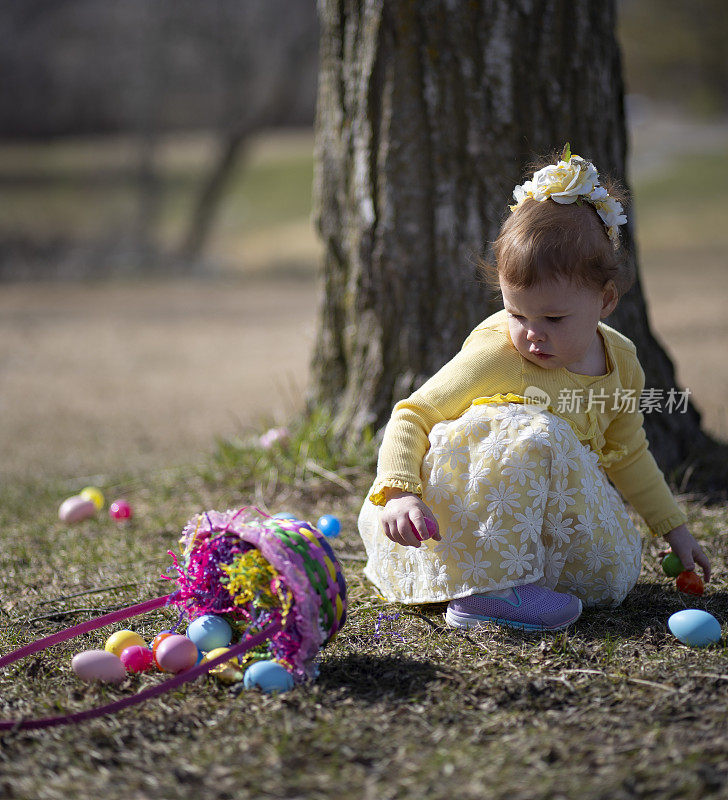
(532, 608)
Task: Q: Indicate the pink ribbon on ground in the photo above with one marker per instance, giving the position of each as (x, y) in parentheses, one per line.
(140, 697)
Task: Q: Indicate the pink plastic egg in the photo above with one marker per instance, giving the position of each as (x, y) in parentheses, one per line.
(75, 509)
(120, 509)
(137, 658)
(176, 653)
(98, 665)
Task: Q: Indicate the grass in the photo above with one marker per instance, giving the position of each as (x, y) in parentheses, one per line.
(404, 707)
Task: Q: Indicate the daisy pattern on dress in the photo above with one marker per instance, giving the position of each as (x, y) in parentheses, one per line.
(472, 426)
(530, 523)
(519, 468)
(576, 582)
(405, 577)
(598, 555)
(516, 561)
(502, 499)
(602, 588)
(452, 453)
(451, 544)
(490, 534)
(589, 489)
(608, 518)
(554, 561)
(477, 474)
(463, 510)
(557, 527)
(473, 569)
(562, 495)
(534, 435)
(586, 524)
(511, 414)
(439, 486)
(539, 489)
(494, 445)
(437, 574)
(564, 459)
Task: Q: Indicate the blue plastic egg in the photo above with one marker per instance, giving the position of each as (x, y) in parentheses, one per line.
(329, 525)
(268, 676)
(210, 631)
(694, 627)
(284, 515)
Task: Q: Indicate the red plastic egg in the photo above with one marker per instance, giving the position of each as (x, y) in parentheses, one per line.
(120, 509)
(690, 582)
(137, 658)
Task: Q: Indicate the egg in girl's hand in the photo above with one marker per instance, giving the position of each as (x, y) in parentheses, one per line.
(694, 627)
(98, 665)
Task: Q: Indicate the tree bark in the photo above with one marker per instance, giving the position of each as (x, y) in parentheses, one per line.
(428, 113)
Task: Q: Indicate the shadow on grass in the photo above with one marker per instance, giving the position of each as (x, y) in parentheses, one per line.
(370, 677)
(645, 611)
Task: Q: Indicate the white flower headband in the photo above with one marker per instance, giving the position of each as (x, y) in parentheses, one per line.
(568, 181)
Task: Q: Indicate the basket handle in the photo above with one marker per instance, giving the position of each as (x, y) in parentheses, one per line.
(140, 697)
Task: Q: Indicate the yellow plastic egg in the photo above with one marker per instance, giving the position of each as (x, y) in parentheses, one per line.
(228, 671)
(119, 641)
(94, 495)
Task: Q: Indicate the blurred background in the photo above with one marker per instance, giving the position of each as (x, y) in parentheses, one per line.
(158, 266)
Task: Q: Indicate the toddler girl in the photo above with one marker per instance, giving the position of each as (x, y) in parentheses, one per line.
(495, 482)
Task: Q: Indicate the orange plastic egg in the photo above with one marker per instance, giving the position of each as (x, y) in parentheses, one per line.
(690, 582)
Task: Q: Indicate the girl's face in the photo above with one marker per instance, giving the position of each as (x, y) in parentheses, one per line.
(554, 324)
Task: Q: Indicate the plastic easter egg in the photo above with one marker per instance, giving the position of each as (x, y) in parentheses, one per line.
(284, 515)
(329, 525)
(94, 495)
(210, 631)
(429, 524)
(137, 658)
(120, 510)
(672, 566)
(268, 676)
(121, 640)
(690, 582)
(98, 665)
(694, 627)
(158, 639)
(176, 653)
(228, 671)
(75, 509)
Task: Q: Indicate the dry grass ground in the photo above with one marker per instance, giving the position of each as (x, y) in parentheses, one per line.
(404, 707)
(114, 377)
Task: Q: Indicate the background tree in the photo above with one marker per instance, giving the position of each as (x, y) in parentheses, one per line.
(428, 113)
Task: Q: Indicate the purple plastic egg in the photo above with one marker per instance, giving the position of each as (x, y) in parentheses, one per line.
(176, 653)
(98, 665)
(75, 509)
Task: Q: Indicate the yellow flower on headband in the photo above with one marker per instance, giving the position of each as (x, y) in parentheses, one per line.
(570, 179)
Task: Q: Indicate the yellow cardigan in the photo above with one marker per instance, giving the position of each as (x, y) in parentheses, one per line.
(489, 365)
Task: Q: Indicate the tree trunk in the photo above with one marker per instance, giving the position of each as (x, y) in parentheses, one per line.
(428, 113)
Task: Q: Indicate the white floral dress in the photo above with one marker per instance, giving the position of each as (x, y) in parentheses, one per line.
(519, 499)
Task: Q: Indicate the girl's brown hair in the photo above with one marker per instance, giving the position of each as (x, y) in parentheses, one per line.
(543, 240)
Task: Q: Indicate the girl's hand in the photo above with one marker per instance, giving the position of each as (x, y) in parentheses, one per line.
(688, 550)
(401, 512)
